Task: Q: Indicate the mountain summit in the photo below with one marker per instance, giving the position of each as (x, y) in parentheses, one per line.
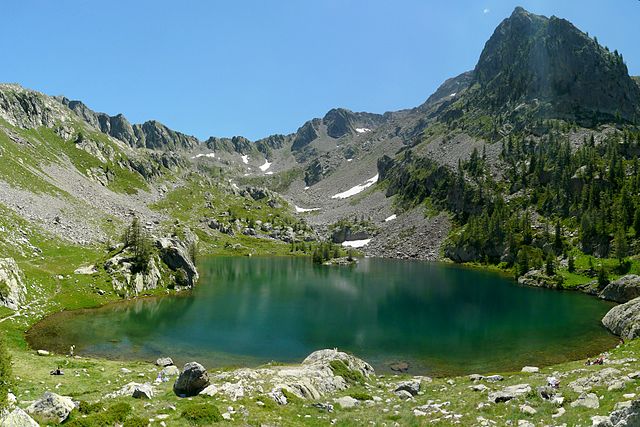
(549, 63)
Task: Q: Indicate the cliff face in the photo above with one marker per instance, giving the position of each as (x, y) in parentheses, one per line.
(535, 59)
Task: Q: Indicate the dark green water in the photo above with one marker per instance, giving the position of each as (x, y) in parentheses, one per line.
(442, 319)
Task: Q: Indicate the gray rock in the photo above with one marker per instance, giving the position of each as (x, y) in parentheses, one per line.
(625, 417)
(403, 394)
(193, 379)
(210, 391)
(170, 371)
(493, 378)
(411, 386)
(624, 319)
(590, 401)
(17, 418)
(622, 290)
(347, 402)
(164, 361)
(52, 407)
(143, 391)
(12, 289)
(325, 357)
(176, 255)
(527, 410)
(508, 393)
(530, 369)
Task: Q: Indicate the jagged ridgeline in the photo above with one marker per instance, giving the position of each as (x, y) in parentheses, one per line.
(540, 136)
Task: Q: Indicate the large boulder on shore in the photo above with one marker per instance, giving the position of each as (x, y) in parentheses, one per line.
(622, 290)
(192, 380)
(176, 255)
(52, 407)
(12, 289)
(624, 319)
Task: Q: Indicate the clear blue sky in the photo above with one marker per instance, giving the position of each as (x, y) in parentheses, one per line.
(254, 68)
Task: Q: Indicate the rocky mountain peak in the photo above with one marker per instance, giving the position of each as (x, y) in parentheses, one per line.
(532, 58)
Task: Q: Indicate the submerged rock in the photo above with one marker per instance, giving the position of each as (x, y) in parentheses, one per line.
(193, 379)
(52, 407)
(12, 289)
(624, 319)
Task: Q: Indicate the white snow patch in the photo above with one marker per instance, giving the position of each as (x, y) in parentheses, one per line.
(362, 130)
(266, 165)
(269, 173)
(234, 185)
(391, 218)
(356, 243)
(210, 155)
(306, 188)
(302, 210)
(357, 189)
(349, 160)
(245, 159)
(453, 94)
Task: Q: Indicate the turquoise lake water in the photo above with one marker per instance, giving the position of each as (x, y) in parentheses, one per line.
(439, 318)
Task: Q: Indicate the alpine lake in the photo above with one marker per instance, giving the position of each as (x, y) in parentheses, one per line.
(436, 319)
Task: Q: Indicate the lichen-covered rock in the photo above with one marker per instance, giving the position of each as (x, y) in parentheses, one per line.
(52, 407)
(508, 393)
(12, 289)
(624, 417)
(125, 280)
(538, 279)
(193, 379)
(622, 290)
(624, 319)
(17, 418)
(325, 357)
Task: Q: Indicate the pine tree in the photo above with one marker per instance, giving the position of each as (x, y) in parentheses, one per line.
(549, 266)
(621, 247)
(571, 264)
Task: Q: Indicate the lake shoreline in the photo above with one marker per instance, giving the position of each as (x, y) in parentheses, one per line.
(187, 294)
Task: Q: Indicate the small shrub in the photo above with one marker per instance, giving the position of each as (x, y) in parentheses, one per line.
(87, 408)
(136, 422)
(339, 368)
(292, 398)
(201, 414)
(361, 395)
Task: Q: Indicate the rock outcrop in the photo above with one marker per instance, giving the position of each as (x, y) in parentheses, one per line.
(17, 418)
(624, 319)
(12, 288)
(622, 290)
(176, 254)
(549, 64)
(538, 279)
(52, 407)
(127, 280)
(192, 380)
(625, 417)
